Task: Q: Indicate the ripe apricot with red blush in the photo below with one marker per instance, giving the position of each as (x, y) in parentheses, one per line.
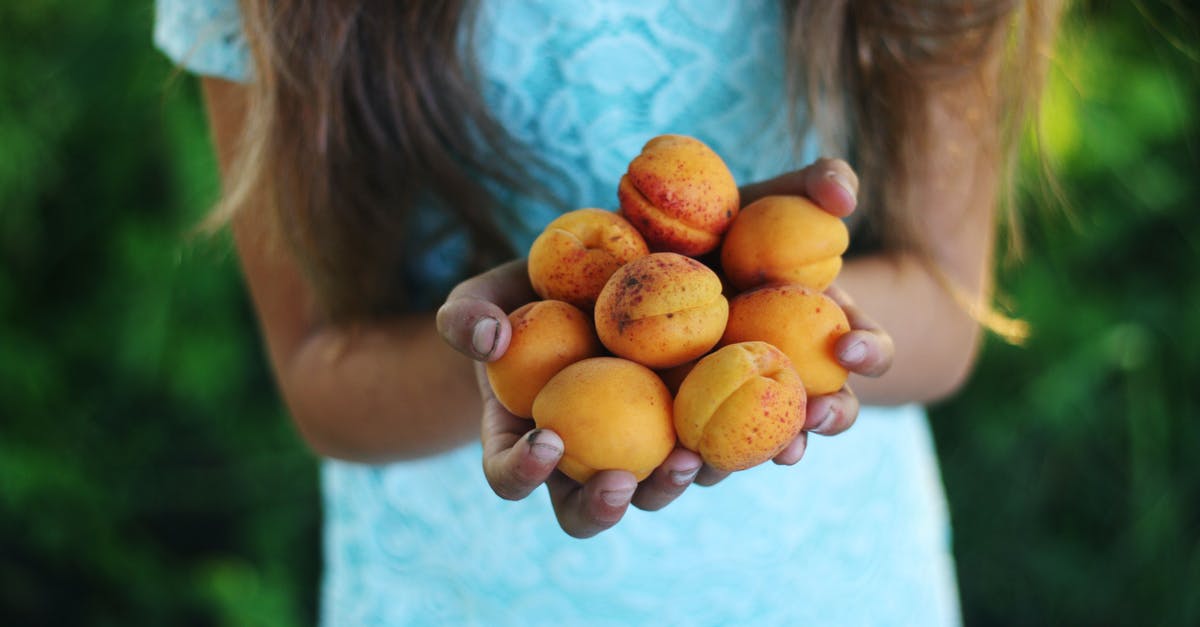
(740, 406)
(661, 310)
(803, 323)
(578, 251)
(679, 194)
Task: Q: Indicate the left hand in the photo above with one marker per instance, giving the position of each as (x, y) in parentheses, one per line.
(867, 349)
(517, 456)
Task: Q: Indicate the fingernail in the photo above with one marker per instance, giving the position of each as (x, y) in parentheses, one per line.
(825, 422)
(842, 182)
(684, 477)
(544, 453)
(854, 353)
(617, 498)
(483, 338)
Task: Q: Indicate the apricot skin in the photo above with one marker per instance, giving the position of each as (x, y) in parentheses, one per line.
(679, 194)
(661, 310)
(611, 413)
(740, 406)
(547, 336)
(575, 254)
(784, 239)
(802, 323)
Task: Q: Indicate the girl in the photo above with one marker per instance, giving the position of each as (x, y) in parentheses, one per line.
(376, 153)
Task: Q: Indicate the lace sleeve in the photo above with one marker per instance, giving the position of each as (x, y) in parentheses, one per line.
(203, 36)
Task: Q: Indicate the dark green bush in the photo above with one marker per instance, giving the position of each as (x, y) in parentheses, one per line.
(1068, 461)
(147, 474)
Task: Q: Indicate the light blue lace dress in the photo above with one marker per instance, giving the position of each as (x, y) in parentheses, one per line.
(856, 534)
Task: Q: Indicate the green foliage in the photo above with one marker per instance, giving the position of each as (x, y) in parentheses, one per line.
(149, 476)
(1068, 460)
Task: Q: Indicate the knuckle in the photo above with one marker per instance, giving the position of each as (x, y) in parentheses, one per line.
(507, 485)
(503, 489)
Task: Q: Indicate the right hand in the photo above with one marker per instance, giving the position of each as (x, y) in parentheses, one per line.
(517, 457)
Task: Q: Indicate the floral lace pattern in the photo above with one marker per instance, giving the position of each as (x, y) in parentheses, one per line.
(856, 534)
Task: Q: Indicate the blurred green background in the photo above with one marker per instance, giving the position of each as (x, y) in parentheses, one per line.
(149, 476)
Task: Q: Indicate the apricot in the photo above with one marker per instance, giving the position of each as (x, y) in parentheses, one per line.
(661, 310)
(803, 323)
(574, 255)
(611, 413)
(740, 406)
(784, 239)
(547, 336)
(679, 194)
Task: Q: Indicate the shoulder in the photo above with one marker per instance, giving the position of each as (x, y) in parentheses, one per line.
(203, 36)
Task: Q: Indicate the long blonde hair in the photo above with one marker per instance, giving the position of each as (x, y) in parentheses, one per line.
(362, 109)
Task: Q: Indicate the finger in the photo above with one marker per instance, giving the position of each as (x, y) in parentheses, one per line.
(831, 183)
(585, 510)
(867, 349)
(831, 414)
(793, 452)
(709, 476)
(515, 472)
(667, 481)
(865, 352)
(474, 318)
(516, 459)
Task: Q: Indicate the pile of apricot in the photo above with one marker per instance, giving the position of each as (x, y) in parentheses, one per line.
(683, 318)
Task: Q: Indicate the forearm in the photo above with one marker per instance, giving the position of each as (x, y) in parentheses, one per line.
(367, 391)
(380, 392)
(936, 339)
(929, 305)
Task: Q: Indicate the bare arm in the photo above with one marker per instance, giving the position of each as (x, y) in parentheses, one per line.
(394, 390)
(936, 339)
(371, 393)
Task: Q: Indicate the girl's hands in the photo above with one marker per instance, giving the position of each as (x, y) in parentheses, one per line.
(518, 458)
(830, 183)
(867, 349)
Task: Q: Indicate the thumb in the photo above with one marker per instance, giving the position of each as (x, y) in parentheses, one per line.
(473, 319)
(475, 328)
